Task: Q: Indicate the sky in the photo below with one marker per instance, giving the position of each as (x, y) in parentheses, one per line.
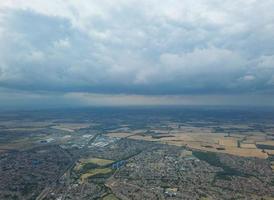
(58, 53)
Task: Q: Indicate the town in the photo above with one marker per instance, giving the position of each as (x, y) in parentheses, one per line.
(114, 155)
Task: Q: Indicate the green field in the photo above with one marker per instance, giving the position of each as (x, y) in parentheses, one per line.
(94, 172)
(110, 197)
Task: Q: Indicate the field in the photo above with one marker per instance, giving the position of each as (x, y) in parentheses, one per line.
(70, 127)
(270, 152)
(248, 145)
(203, 139)
(110, 197)
(96, 162)
(22, 144)
(88, 167)
(94, 172)
(120, 134)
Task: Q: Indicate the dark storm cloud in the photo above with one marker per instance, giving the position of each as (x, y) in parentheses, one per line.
(138, 47)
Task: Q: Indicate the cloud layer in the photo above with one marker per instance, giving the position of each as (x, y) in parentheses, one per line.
(138, 47)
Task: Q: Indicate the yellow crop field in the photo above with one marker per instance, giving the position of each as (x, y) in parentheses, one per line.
(228, 142)
(214, 142)
(248, 146)
(207, 141)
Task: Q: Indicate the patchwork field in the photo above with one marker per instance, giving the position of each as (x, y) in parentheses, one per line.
(207, 141)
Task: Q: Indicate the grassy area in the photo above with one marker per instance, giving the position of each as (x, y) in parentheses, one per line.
(94, 172)
(91, 167)
(99, 161)
(91, 163)
(110, 197)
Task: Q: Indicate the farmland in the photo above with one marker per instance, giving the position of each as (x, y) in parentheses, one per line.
(214, 142)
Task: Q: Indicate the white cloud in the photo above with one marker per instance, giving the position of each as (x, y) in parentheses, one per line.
(207, 66)
(35, 56)
(266, 62)
(248, 78)
(62, 43)
(130, 46)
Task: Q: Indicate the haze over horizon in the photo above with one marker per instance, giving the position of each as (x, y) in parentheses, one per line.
(59, 53)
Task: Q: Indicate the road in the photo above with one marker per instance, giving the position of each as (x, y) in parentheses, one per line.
(67, 171)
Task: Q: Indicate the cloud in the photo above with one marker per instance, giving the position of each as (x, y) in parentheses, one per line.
(17, 99)
(137, 47)
(62, 43)
(266, 62)
(248, 78)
